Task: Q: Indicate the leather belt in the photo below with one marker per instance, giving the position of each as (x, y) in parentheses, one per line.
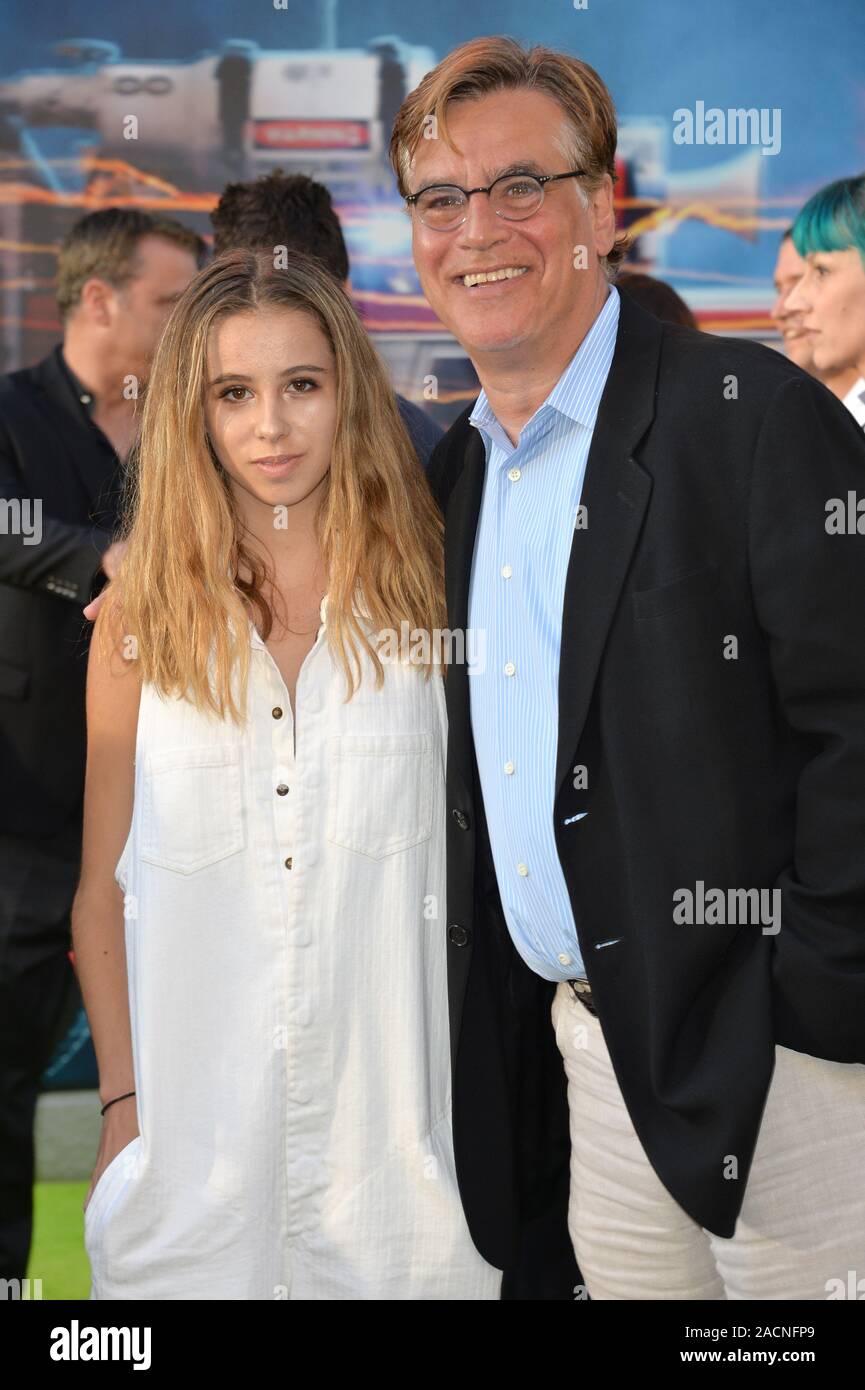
(582, 990)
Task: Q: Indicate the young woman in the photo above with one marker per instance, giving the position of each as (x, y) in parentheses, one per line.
(267, 993)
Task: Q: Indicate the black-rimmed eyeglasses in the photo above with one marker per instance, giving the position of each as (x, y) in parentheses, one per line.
(444, 206)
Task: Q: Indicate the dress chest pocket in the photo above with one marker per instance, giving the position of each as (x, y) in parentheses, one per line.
(192, 812)
(382, 792)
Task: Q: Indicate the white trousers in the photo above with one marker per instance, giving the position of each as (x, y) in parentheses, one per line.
(801, 1229)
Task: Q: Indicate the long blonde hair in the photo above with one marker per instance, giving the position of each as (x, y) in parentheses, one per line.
(180, 592)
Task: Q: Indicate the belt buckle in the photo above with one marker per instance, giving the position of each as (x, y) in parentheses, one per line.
(582, 990)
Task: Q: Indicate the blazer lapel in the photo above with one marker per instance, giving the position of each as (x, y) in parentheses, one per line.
(462, 513)
(615, 493)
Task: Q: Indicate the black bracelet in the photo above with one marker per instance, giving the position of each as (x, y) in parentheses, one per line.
(115, 1100)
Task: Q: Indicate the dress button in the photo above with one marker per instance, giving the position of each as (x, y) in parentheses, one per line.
(458, 936)
(288, 862)
(510, 668)
(514, 474)
(506, 571)
(461, 819)
(281, 789)
(277, 712)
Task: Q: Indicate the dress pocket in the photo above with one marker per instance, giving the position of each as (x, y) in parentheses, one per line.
(382, 800)
(123, 1167)
(192, 814)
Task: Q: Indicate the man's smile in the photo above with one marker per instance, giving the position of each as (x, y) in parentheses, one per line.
(496, 275)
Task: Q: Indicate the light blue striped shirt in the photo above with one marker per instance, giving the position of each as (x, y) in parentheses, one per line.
(529, 509)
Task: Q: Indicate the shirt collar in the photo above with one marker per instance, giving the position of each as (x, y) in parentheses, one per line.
(83, 396)
(360, 609)
(577, 393)
(855, 401)
(256, 640)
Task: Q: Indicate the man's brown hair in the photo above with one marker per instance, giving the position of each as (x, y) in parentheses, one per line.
(105, 244)
(483, 66)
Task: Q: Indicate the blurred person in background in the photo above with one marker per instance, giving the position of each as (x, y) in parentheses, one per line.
(789, 269)
(657, 296)
(293, 210)
(66, 427)
(829, 234)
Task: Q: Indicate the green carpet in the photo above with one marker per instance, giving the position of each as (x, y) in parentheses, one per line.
(57, 1255)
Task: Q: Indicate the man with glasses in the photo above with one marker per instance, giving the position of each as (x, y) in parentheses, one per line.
(656, 785)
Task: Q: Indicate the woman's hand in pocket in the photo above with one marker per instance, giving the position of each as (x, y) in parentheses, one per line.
(119, 1128)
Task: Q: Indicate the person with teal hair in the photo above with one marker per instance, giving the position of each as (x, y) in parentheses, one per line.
(829, 234)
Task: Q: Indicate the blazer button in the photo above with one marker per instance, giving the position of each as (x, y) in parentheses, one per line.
(281, 789)
(458, 936)
(277, 712)
(461, 819)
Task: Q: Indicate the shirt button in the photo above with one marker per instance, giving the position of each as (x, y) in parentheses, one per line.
(514, 474)
(458, 936)
(288, 863)
(506, 571)
(564, 960)
(510, 668)
(277, 712)
(281, 789)
(509, 767)
(522, 870)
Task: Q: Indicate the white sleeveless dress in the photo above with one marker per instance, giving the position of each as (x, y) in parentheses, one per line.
(285, 940)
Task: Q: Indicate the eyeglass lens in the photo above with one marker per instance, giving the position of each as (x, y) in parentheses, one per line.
(512, 197)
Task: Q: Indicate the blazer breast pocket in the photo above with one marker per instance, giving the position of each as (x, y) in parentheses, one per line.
(686, 592)
(382, 794)
(192, 814)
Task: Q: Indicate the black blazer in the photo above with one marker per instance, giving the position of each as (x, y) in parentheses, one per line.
(49, 451)
(710, 468)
